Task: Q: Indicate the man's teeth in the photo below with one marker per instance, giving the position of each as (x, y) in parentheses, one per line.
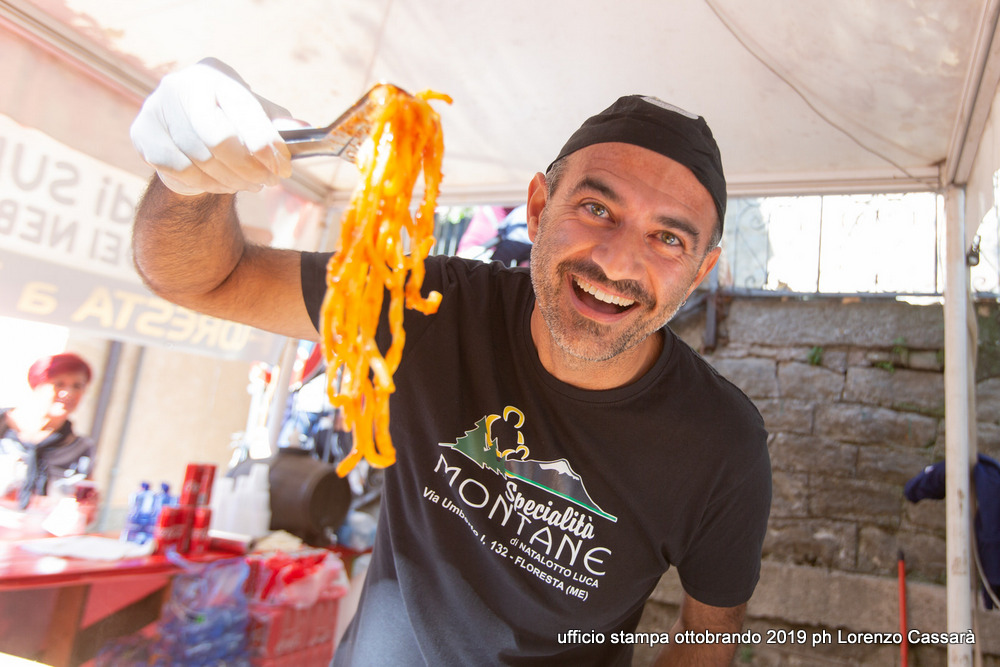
(603, 296)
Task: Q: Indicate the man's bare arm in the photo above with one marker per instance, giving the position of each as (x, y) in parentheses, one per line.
(698, 617)
(190, 250)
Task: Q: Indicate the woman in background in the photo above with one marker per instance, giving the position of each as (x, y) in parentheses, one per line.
(37, 445)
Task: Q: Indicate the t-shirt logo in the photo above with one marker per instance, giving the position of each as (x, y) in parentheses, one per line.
(536, 516)
(556, 477)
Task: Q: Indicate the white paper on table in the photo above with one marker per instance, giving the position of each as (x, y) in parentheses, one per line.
(88, 547)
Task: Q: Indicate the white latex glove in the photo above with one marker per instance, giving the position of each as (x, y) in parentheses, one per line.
(205, 131)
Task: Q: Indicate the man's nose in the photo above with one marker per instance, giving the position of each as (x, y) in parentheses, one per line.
(620, 254)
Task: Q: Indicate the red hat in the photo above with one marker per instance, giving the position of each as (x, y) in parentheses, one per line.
(47, 368)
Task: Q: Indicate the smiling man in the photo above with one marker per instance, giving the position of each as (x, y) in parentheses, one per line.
(558, 447)
(617, 249)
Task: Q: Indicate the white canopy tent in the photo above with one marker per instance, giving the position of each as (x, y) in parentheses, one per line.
(804, 97)
(811, 96)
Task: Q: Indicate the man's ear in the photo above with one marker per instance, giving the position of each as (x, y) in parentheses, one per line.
(707, 264)
(538, 193)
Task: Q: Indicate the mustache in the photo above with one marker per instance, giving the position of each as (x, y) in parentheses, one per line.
(594, 274)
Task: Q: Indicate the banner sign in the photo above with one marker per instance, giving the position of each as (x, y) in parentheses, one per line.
(43, 291)
(63, 206)
(65, 253)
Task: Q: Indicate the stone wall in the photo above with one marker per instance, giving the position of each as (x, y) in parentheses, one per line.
(852, 392)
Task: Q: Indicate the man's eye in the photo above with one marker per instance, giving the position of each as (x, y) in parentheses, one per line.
(597, 209)
(669, 238)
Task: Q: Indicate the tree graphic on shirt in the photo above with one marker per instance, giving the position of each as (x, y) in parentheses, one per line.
(476, 445)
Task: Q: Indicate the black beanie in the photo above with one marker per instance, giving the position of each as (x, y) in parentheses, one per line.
(670, 131)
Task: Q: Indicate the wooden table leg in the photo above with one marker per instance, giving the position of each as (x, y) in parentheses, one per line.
(61, 635)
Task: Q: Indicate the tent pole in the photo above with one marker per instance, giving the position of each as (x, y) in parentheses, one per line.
(957, 401)
(279, 399)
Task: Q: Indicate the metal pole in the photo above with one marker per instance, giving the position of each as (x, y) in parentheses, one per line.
(107, 384)
(957, 402)
(279, 399)
(105, 510)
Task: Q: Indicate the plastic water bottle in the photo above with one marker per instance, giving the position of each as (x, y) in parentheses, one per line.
(140, 520)
(249, 508)
(222, 504)
(161, 499)
(259, 500)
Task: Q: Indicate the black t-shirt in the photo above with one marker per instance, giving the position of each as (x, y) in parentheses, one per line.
(522, 508)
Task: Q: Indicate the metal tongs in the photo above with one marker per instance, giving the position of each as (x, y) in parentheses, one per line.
(342, 137)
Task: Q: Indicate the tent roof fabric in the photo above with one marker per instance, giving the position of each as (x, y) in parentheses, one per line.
(802, 97)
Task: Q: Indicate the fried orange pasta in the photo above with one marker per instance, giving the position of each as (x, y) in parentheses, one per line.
(373, 263)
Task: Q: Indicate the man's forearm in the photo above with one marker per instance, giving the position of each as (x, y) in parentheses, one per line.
(701, 617)
(185, 246)
(695, 655)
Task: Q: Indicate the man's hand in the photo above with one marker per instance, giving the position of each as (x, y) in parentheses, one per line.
(698, 617)
(204, 131)
(208, 136)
